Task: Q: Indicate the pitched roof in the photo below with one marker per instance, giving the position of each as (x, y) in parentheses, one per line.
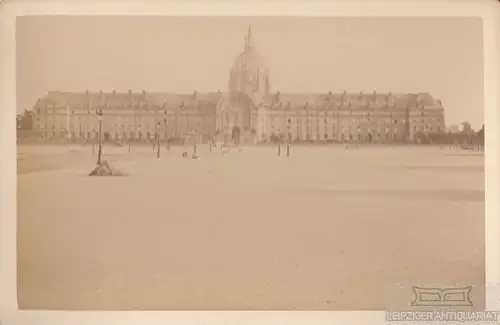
(197, 100)
(353, 100)
(114, 99)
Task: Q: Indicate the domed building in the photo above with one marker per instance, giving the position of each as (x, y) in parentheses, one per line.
(248, 105)
(248, 86)
(249, 74)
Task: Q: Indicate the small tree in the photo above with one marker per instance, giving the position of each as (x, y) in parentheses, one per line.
(467, 128)
(480, 135)
(27, 121)
(19, 121)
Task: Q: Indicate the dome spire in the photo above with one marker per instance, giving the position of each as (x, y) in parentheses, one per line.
(249, 40)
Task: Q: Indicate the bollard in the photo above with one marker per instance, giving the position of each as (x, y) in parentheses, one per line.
(279, 149)
(288, 150)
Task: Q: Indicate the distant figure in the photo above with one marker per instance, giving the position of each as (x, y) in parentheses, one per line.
(235, 134)
(224, 149)
(212, 143)
(185, 154)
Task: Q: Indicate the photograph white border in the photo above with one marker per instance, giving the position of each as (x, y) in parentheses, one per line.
(9, 314)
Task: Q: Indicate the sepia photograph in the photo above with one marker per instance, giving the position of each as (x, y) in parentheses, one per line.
(247, 162)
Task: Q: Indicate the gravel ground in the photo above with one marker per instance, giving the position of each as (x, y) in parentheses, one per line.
(325, 229)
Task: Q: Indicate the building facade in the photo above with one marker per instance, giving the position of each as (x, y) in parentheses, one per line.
(249, 104)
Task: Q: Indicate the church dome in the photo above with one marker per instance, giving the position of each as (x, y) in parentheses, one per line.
(250, 60)
(249, 73)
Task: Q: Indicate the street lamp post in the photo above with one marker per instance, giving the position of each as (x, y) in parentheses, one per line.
(93, 140)
(195, 136)
(165, 131)
(192, 136)
(139, 133)
(226, 135)
(158, 139)
(279, 142)
(129, 138)
(289, 140)
(99, 154)
(38, 127)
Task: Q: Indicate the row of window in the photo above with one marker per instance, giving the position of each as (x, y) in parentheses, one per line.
(121, 127)
(137, 112)
(347, 110)
(165, 135)
(83, 128)
(124, 121)
(112, 135)
(343, 130)
(353, 120)
(298, 131)
(380, 126)
(347, 136)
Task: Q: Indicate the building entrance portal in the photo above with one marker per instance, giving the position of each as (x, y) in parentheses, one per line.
(234, 112)
(235, 134)
(231, 120)
(241, 118)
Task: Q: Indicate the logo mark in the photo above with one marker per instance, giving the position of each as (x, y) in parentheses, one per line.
(446, 297)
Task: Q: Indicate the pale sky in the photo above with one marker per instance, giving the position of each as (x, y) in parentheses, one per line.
(442, 56)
